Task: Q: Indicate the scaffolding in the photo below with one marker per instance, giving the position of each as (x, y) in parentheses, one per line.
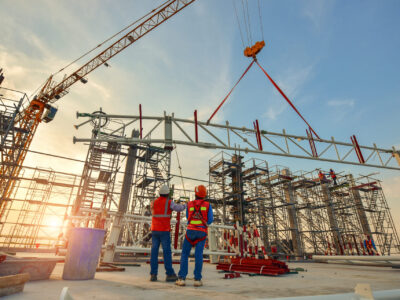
(36, 217)
(152, 170)
(12, 131)
(226, 188)
(103, 159)
(300, 213)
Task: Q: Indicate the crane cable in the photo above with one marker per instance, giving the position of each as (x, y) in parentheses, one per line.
(238, 21)
(102, 43)
(180, 169)
(248, 21)
(111, 37)
(261, 23)
(246, 24)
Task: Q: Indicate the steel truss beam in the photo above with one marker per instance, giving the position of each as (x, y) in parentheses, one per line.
(226, 137)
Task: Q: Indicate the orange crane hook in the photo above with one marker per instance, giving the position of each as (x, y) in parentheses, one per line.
(254, 50)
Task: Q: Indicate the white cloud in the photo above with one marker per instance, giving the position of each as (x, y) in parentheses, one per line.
(317, 12)
(272, 113)
(341, 103)
(291, 81)
(174, 76)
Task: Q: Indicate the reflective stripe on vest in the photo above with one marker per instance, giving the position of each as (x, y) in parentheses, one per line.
(196, 222)
(165, 215)
(198, 215)
(201, 208)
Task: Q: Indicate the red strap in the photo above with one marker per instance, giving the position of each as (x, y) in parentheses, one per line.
(193, 243)
(287, 99)
(227, 96)
(198, 214)
(312, 144)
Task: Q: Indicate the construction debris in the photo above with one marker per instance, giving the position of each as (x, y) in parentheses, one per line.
(232, 275)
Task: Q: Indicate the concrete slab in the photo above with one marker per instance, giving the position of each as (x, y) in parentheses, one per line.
(134, 284)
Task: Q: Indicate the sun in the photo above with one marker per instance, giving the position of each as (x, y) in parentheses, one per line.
(54, 222)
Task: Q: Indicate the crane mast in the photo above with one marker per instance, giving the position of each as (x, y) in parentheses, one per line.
(29, 119)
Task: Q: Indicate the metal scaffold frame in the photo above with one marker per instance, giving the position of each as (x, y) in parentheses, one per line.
(37, 216)
(296, 212)
(300, 214)
(242, 139)
(96, 188)
(13, 131)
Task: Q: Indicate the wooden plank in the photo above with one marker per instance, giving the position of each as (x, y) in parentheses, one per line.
(13, 284)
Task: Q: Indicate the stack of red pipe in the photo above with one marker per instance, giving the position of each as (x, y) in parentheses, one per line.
(271, 267)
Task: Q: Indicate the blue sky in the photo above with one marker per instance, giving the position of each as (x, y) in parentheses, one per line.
(337, 60)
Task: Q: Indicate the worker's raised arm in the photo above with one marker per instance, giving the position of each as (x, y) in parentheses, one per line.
(177, 207)
(210, 215)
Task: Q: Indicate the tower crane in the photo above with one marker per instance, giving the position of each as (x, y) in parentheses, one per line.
(41, 109)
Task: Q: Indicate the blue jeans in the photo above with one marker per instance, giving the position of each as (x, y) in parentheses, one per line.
(163, 237)
(198, 254)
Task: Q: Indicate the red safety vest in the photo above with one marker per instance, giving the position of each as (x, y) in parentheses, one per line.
(333, 175)
(161, 211)
(198, 215)
(321, 176)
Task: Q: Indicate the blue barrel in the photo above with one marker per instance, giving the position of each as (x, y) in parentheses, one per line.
(84, 247)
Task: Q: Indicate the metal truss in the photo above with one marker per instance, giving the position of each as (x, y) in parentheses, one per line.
(246, 140)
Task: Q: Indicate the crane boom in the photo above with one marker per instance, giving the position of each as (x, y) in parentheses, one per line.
(168, 10)
(28, 120)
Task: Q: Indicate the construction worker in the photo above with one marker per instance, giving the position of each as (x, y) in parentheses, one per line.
(322, 177)
(370, 246)
(161, 209)
(199, 215)
(333, 176)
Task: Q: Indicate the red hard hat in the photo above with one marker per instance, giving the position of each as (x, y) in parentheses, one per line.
(200, 191)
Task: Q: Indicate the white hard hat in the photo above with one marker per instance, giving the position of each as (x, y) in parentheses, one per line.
(164, 190)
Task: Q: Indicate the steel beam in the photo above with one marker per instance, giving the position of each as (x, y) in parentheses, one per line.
(218, 136)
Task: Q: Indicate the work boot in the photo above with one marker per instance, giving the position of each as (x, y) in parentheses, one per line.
(197, 283)
(153, 277)
(171, 278)
(180, 282)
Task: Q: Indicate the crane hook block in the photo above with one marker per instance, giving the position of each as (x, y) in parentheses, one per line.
(254, 50)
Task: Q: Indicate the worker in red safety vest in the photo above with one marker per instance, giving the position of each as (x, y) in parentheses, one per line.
(199, 214)
(161, 209)
(322, 177)
(333, 176)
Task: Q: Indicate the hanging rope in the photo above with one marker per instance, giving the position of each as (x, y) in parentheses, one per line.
(261, 23)
(248, 21)
(180, 170)
(246, 25)
(111, 37)
(237, 19)
(102, 43)
(227, 96)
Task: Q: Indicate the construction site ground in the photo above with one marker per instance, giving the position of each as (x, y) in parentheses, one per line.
(318, 279)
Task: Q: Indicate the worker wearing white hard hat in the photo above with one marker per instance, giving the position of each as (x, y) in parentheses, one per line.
(161, 209)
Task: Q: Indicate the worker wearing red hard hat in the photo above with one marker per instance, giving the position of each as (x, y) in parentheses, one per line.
(161, 209)
(199, 214)
(333, 176)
